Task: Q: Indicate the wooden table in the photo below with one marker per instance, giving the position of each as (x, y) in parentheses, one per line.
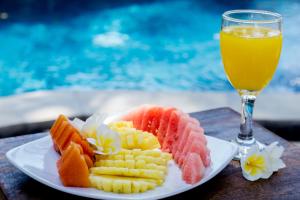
(229, 184)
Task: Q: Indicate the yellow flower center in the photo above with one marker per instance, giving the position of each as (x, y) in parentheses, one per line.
(107, 144)
(255, 164)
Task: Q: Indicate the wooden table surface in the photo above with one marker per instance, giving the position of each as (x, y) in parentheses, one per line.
(228, 184)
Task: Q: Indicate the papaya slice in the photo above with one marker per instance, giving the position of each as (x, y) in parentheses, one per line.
(88, 161)
(64, 138)
(72, 167)
(57, 123)
(59, 130)
(63, 132)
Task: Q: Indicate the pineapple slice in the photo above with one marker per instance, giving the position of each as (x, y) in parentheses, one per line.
(149, 156)
(131, 164)
(121, 184)
(120, 124)
(132, 138)
(123, 171)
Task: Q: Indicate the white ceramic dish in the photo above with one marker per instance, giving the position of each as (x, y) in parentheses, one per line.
(38, 159)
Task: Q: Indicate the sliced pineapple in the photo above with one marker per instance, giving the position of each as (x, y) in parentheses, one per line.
(132, 138)
(149, 156)
(136, 168)
(121, 184)
(124, 171)
(120, 125)
(131, 164)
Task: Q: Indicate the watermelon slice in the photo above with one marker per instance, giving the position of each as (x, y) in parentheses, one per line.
(150, 114)
(195, 146)
(194, 121)
(156, 120)
(163, 124)
(138, 117)
(185, 120)
(181, 126)
(193, 169)
(184, 136)
(171, 131)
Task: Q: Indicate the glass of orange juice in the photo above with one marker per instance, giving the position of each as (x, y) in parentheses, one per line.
(251, 43)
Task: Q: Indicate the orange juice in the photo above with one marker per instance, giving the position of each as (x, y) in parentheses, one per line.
(250, 55)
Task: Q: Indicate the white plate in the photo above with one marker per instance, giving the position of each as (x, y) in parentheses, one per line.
(38, 159)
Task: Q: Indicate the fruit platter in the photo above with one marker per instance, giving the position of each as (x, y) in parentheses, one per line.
(149, 152)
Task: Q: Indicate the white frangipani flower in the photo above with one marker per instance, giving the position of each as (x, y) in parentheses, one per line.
(77, 123)
(254, 164)
(107, 140)
(275, 152)
(99, 135)
(262, 163)
(90, 126)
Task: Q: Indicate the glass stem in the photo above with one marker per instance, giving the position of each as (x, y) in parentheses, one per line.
(246, 135)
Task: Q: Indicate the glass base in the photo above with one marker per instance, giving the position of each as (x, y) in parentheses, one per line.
(244, 146)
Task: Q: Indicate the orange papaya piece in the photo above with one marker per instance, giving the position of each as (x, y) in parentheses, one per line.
(72, 167)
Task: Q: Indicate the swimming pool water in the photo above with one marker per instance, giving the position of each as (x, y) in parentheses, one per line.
(144, 45)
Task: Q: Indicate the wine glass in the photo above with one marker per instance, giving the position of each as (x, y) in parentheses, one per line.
(250, 43)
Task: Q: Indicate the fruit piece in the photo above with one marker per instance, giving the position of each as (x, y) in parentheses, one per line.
(144, 121)
(182, 141)
(64, 137)
(132, 138)
(148, 156)
(163, 125)
(193, 169)
(189, 127)
(171, 131)
(136, 116)
(137, 121)
(88, 161)
(195, 146)
(124, 171)
(120, 125)
(63, 133)
(156, 120)
(56, 124)
(119, 184)
(147, 159)
(72, 168)
(150, 114)
(185, 120)
(132, 164)
(77, 138)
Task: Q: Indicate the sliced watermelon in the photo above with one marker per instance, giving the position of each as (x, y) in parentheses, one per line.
(163, 124)
(171, 131)
(184, 137)
(181, 126)
(194, 121)
(153, 112)
(184, 121)
(138, 118)
(156, 120)
(195, 146)
(200, 131)
(193, 169)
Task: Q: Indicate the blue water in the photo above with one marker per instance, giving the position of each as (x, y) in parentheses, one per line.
(144, 45)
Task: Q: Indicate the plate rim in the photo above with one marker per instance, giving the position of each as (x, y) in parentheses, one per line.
(79, 193)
